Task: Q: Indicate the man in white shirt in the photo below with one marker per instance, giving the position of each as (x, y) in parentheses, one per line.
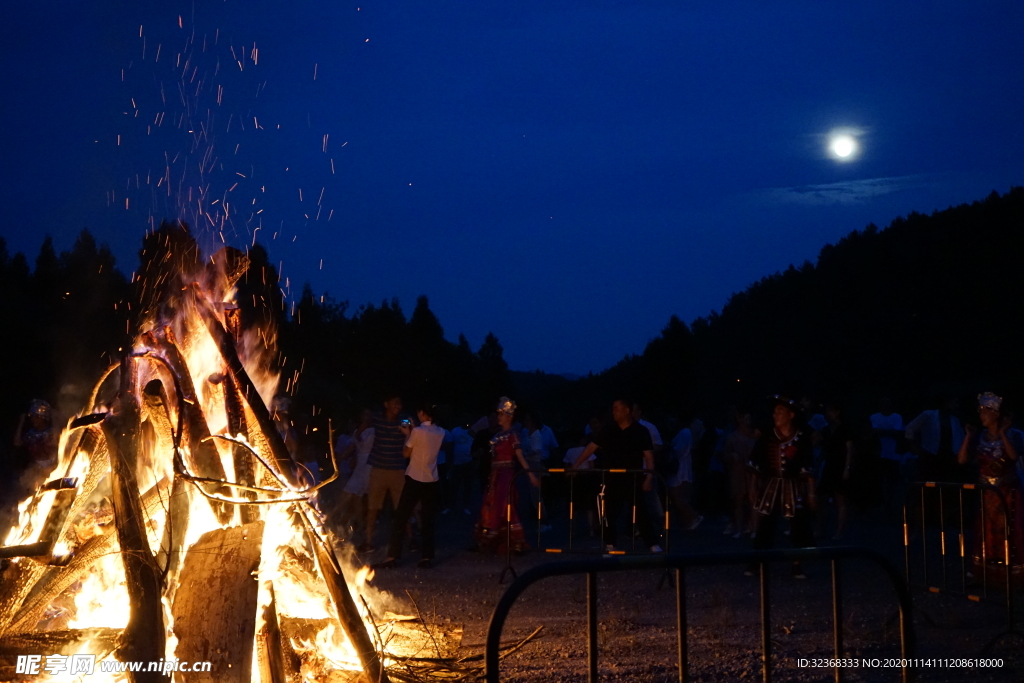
(935, 437)
(887, 427)
(681, 484)
(421, 486)
(461, 476)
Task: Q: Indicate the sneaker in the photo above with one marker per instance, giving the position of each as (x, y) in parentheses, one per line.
(750, 570)
(545, 527)
(466, 512)
(738, 534)
(696, 522)
(425, 563)
(609, 548)
(656, 549)
(446, 511)
(798, 572)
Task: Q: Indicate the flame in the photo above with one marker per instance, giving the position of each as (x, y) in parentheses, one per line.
(363, 576)
(287, 574)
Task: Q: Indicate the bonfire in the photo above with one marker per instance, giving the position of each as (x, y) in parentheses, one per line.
(175, 526)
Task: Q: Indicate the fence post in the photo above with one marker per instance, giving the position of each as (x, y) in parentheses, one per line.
(766, 619)
(837, 617)
(684, 646)
(592, 627)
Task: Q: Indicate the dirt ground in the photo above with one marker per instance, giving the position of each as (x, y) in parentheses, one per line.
(637, 634)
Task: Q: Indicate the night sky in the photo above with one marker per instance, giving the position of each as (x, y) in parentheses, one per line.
(567, 175)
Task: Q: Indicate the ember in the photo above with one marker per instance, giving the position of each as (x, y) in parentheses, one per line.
(174, 525)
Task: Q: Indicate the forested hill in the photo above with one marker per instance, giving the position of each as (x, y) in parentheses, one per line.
(929, 304)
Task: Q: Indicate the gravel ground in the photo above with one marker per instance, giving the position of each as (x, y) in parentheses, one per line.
(637, 635)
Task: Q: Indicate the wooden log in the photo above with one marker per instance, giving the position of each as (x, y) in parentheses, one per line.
(143, 637)
(215, 606)
(269, 645)
(205, 458)
(245, 468)
(155, 409)
(348, 614)
(57, 642)
(55, 583)
(226, 345)
(24, 574)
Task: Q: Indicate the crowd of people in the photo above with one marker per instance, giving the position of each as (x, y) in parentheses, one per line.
(799, 473)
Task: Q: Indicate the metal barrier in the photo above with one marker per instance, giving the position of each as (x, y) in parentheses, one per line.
(961, 545)
(592, 567)
(571, 475)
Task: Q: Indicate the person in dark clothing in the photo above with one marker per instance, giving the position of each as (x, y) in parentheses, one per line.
(623, 444)
(783, 456)
(837, 456)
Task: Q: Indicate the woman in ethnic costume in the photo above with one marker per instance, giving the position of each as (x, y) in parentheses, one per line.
(996, 457)
(783, 457)
(499, 517)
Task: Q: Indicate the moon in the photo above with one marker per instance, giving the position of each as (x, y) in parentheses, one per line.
(843, 146)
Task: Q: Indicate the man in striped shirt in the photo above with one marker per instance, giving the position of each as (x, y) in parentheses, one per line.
(387, 463)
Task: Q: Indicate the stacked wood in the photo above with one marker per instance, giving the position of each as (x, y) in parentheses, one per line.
(212, 586)
(215, 605)
(60, 579)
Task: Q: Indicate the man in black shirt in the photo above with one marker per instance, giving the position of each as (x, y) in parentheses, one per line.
(623, 444)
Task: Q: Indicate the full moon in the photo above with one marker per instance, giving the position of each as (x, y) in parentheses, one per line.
(843, 146)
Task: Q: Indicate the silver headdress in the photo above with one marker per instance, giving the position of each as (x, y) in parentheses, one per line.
(39, 408)
(506, 406)
(990, 401)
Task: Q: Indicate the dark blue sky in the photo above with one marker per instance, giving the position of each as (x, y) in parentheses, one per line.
(567, 175)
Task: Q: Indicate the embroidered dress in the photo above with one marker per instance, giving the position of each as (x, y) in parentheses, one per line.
(781, 465)
(499, 523)
(996, 469)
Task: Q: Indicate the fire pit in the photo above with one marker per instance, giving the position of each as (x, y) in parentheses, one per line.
(175, 525)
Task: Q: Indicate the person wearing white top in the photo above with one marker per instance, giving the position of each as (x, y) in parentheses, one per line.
(422, 445)
(887, 427)
(652, 498)
(681, 484)
(461, 475)
(935, 437)
(352, 506)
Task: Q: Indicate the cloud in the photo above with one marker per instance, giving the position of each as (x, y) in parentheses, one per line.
(849, 192)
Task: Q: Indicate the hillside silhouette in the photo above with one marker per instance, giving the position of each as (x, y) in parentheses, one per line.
(927, 305)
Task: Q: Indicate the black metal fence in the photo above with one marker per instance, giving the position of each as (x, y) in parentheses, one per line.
(961, 570)
(572, 475)
(679, 563)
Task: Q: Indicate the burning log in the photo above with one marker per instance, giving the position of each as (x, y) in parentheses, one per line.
(143, 638)
(245, 468)
(215, 605)
(269, 644)
(205, 458)
(82, 561)
(348, 614)
(22, 575)
(226, 345)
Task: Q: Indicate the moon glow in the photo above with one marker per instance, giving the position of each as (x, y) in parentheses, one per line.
(843, 146)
